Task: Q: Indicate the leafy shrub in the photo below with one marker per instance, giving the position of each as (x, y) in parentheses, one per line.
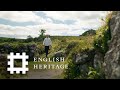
(102, 37)
(30, 48)
(72, 71)
(93, 74)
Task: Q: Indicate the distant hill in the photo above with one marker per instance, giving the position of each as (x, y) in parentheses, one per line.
(89, 32)
(6, 39)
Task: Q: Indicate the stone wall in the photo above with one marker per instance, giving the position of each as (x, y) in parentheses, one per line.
(3, 67)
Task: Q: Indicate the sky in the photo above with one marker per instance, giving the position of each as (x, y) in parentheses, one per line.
(20, 24)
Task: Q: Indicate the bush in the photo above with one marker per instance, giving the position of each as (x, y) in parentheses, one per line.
(30, 48)
(72, 71)
(71, 46)
(101, 41)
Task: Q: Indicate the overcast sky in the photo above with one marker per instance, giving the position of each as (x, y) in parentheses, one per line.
(20, 24)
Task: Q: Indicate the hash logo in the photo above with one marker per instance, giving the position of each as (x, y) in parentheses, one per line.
(12, 57)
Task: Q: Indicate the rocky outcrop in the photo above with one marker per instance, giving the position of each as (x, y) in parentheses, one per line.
(112, 57)
(84, 60)
(84, 57)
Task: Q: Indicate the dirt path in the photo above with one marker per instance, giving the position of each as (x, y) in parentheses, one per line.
(46, 74)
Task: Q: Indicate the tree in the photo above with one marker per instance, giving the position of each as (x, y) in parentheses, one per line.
(29, 38)
(42, 32)
(41, 35)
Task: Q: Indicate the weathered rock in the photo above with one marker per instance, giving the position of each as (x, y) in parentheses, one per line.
(98, 60)
(59, 54)
(81, 58)
(112, 57)
(84, 60)
(84, 57)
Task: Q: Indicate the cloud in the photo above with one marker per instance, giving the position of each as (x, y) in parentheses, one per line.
(23, 32)
(82, 20)
(52, 29)
(21, 16)
(74, 15)
(20, 31)
(18, 16)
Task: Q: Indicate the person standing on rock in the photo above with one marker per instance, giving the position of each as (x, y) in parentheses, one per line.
(47, 43)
